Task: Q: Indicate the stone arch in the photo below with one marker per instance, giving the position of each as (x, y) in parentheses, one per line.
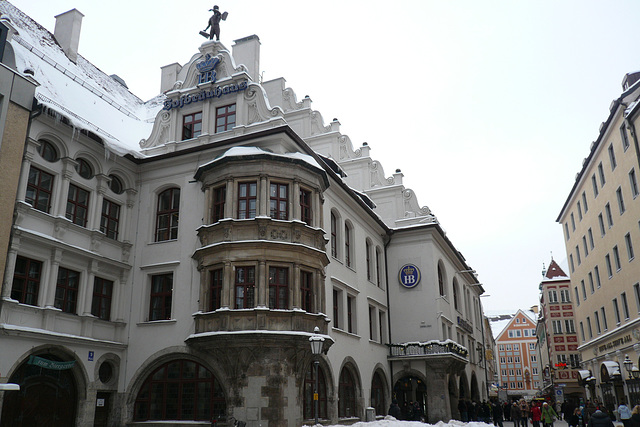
(349, 370)
(57, 142)
(475, 391)
(410, 385)
(453, 397)
(46, 389)
(384, 395)
(463, 387)
(331, 396)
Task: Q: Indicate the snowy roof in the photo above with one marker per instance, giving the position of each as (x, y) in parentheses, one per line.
(88, 97)
(555, 272)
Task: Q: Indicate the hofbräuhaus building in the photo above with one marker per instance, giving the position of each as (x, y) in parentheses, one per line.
(171, 259)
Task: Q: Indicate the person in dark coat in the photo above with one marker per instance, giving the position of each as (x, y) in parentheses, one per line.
(462, 408)
(497, 412)
(516, 414)
(394, 410)
(600, 419)
(635, 417)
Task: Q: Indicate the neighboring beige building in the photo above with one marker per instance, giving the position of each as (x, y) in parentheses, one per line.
(557, 337)
(16, 93)
(602, 234)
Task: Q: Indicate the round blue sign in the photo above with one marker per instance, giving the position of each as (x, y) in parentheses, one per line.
(409, 276)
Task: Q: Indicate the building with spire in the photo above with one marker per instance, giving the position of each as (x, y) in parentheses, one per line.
(171, 260)
(557, 336)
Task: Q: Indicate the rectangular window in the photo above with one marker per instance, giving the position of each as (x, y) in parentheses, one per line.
(607, 260)
(110, 219)
(616, 310)
(225, 118)
(378, 268)
(579, 211)
(247, 194)
(616, 258)
(305, 207)
(601, 222)
(219, 198)
(215, 289)
(191, 125)
(601, 174)
(565, 295)
(607, 209)
(589, 329)
(334, 236)
(625, 305)
(26, 281)
(566, 230)
(578, 255)
(245, 284)
(337, 296)
(67, 285)
(577, 295)
(278, 288)
(612, 157)
(584, 202)
(624, 137)
(596, 271)
(347, 245)
(630, 253)
(591, 242)
(571, 263)
(636, 291)
(553, 296)
(596, 318)
(534, 358)
(633, 182)
(77, 205)
(594, 183)
(604, 318)
(573, 223)
(584, 246)
(620, 200)
(279, 201)
(168, 215)
(582, 331)
(306, 291)
(351, 314)
(569, 326)
(39, 189)
(584, 292)
(381, 326)
(372, 325)
(161, 296)
(591, 287)
(102, 295)
(557, 327)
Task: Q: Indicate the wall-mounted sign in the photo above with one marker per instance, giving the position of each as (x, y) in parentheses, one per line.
(207, 69)
(50, 364)
(409, 276)
(214, 92)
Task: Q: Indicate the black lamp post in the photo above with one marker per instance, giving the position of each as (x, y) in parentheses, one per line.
(316, 342)
(628, 365)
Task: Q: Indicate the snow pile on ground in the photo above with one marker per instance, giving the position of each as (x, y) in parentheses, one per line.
(389, 421)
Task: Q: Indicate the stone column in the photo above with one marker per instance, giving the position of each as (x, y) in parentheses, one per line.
(438, 402)
(262, 284)
(12, 254)
(228, 200)
(207, 206)
(294, 201)
(85, 293)
(24, 174)
(63, 187)
(295, 292)
(263, 197)
(228, 286)
(50, 291)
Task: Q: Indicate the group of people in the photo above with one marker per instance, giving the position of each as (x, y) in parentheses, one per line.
(410, 411)
(520, 412)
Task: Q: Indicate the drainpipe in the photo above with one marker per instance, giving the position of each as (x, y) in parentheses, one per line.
(386, 273)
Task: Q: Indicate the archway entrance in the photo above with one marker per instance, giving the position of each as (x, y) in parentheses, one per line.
(48, 394)
(408, 390)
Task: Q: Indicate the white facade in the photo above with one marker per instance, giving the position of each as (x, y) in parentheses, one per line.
(324, 247)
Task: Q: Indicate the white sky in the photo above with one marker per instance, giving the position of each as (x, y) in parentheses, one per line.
(488, 107)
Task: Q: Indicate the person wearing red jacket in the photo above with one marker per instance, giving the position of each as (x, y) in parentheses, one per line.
(535, 414)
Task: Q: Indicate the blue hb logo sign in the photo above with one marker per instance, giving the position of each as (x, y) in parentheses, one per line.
(409, 276)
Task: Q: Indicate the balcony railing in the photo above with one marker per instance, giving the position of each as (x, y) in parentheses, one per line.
(427, 348)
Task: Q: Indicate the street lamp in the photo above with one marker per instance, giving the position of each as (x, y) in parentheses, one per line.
(635, 372)
(628, 365)
(316, 342)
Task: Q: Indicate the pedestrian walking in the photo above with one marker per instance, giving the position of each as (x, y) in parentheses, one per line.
(548, 415)
(624, 413)
(600, 419)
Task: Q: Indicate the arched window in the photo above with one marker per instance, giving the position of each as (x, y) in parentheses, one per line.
(440, 280)
(309, 386)
(167, 215)
(455, 295)
(377, 394)
(116, 184)
(84, 168)
(180, 390)
(346, 395)
(48, 151)
(369, 259)
(334, 235)
(348, 258)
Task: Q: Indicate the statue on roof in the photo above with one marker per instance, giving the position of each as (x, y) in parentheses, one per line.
(214, 24)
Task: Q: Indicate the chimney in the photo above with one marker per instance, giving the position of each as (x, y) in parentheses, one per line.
(247, 51)
(67, 32)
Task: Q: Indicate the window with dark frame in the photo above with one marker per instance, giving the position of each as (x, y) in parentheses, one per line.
(102, 296)
(39, 189)
(84, 168)
(279, 201)
(368, 255)
(48, 151)
(26, 281)
(167, 215)
(181, 390)
(306, 291)
(334, 236)
(215, 290)
(377, 394)
(161, 296)
(350, 313)
(225, 118)
(66, 298)
(305, 207)
(245, 287)
(247, 194)
(336, 309)
(219, 197)
(346, 395)
(77, 205)
(278, 288)
(191, 125)
(378, 267)
(110, 219)
(347, 245)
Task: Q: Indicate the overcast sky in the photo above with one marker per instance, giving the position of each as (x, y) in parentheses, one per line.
(488, 107)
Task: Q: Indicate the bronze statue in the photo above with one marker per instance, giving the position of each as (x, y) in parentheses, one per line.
(214, 23)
